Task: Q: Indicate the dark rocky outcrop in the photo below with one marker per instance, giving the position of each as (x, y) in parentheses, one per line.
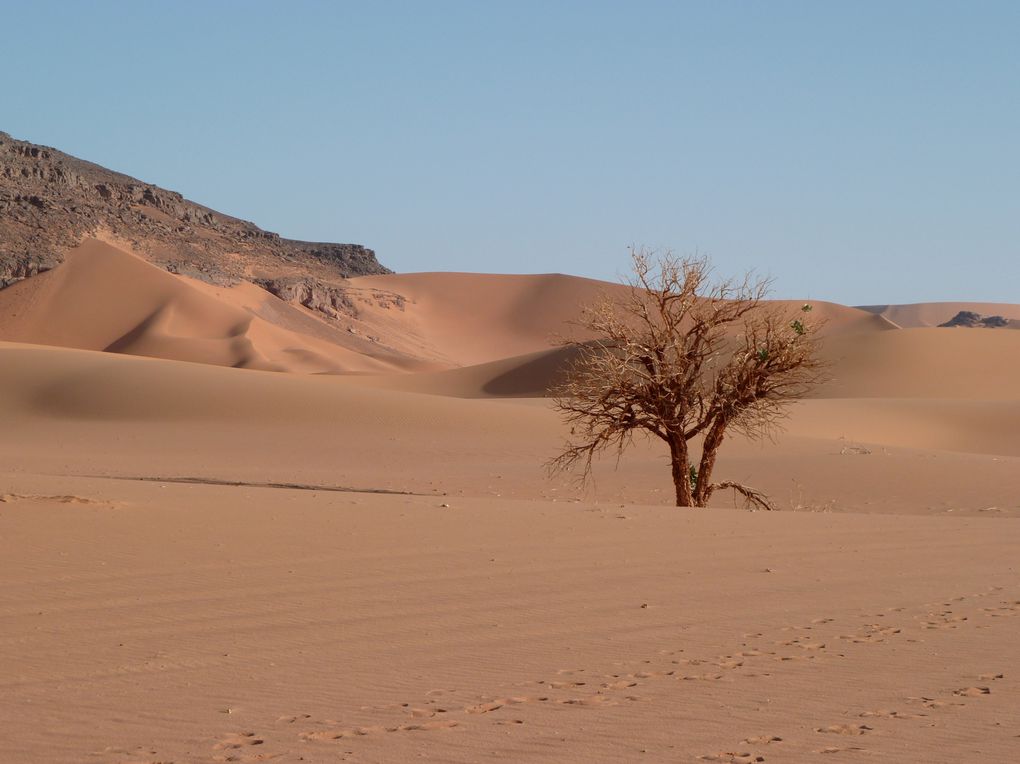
(328, 299)
(970, 319)
(50, 201)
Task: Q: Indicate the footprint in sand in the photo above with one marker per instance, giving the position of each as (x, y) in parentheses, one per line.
(327, 735)
(730, 664)
(10, 498)
(873, 635)
(1008, 609)
(424, 726)
(946, 622)
(972, 692)
(239, 740)
(293, 719)
(845, 729)
(888, 714)
(591, 700)
(833, 749)
(425, 713)
(733, 758)
(484, 708)
(933, 703)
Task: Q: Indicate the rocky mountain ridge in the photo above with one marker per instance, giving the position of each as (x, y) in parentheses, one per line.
(50, 201)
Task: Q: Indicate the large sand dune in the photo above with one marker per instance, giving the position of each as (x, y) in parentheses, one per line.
(349, 548)
(104, 298)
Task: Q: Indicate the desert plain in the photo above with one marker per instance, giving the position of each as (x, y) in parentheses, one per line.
(233, 530)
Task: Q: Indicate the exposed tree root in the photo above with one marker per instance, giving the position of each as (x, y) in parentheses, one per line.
(752, 496)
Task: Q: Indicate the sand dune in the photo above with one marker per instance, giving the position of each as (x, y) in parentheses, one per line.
(104, 298)
(365, 558)
(925, 363)
(120, 410)
(474, 318)
(867, 360)
(471, 319)
(934, 313)
(531, 375)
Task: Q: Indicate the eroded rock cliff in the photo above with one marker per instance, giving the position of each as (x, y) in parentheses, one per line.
(50, 201)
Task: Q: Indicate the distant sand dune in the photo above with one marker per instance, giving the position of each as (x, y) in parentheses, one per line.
(935, 313)
(467, 335)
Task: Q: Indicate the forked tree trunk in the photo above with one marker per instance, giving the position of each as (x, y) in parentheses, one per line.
(709, 452)
(681, 472)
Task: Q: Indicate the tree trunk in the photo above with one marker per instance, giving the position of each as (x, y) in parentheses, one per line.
(681, 472)
(709, 452)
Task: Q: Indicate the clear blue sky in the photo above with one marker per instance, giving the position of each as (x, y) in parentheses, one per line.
(856, 151)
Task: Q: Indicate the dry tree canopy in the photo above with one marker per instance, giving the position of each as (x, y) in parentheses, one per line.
(681, 356)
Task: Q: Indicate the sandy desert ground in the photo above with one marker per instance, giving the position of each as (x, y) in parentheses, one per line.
(233, 531)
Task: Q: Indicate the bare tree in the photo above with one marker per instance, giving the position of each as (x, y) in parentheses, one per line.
(681, 357)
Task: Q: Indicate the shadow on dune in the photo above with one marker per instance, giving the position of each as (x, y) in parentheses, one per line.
(533, 378)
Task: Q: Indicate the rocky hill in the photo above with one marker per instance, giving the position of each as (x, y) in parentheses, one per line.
(51, 201)
(971, 320)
